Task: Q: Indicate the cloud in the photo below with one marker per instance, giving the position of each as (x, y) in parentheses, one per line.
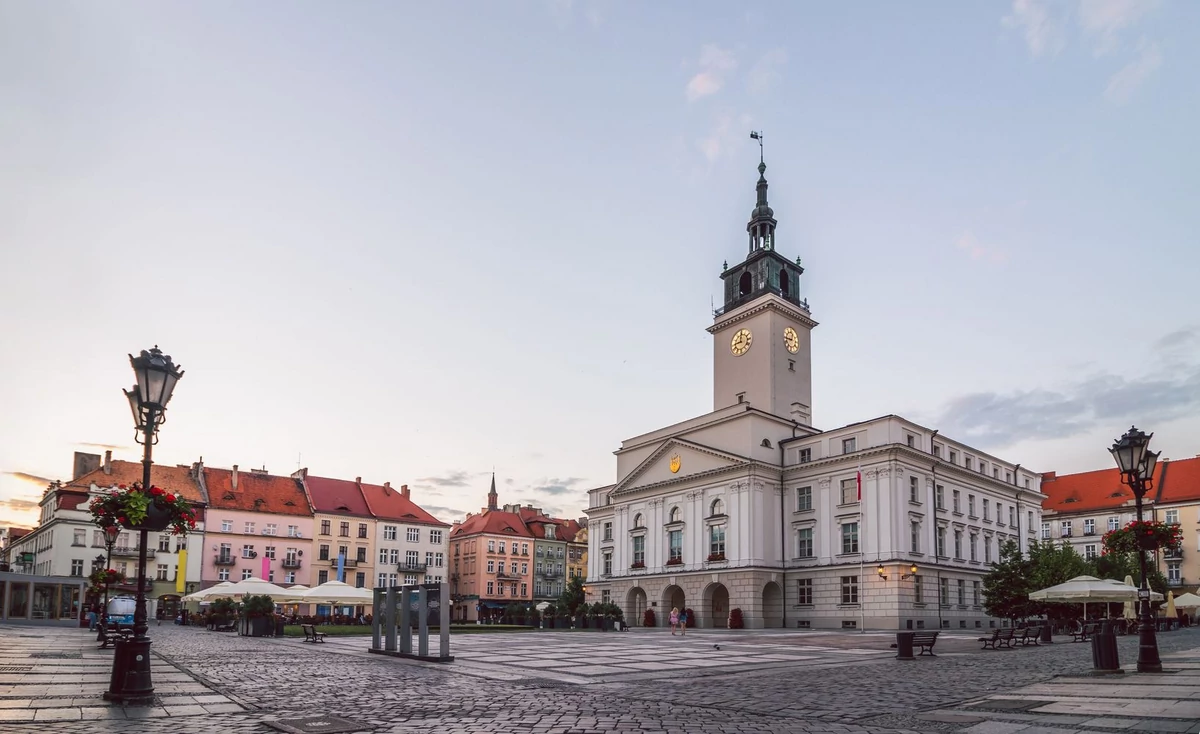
(455, 478)
(31, 478)
(107, 446)
(557, 487)
(444, 513)
(1125, 82)
(716, 64)
(1043, 34)
(1173, 391)
(20, 504)
(968, 243)
(1106, 18)
(723, 134)
(765, 73)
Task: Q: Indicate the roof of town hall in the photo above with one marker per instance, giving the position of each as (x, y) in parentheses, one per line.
(256, 492)
(176, 479)
(388, 503)
(1090, 491)
(493, 522)
(336, 496)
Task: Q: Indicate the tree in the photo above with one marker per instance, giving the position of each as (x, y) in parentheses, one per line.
(1051, 564)
(1006, 587)
(1119, 566)
(572, 596)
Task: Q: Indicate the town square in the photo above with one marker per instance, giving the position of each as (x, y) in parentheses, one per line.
(588, 366)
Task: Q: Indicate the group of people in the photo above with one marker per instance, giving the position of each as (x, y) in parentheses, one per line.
(678, 621)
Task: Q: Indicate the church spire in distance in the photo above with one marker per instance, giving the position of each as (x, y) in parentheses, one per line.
(761, 227)
(493, 499)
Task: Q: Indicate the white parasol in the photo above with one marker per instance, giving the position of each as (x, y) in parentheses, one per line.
(212, 592)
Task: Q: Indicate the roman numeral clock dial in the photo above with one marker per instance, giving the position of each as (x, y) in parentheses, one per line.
(791, 340)
(741, 342)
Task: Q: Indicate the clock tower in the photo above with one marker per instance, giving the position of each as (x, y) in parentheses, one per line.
(762, 333)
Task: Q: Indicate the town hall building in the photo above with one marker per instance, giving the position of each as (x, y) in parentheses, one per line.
(883, 524)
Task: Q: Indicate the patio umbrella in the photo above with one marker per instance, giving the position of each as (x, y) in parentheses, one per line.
(212, 592)
(1187, 601)
(254, 586)
(1089, 589)
(1171, 613)
(1129, 611)
(334, 593)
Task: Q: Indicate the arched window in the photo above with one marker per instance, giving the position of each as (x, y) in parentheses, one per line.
(674, 514)
(637, 520)
(745, 284)
(716, 508)
(785, 284)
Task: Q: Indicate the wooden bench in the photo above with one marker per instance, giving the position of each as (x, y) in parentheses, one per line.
(990, 642)
(925, 641)
(229, 626)
(1033, 635)
(1085, 632)
(114, 633)
(311, 634)
(1005, 638)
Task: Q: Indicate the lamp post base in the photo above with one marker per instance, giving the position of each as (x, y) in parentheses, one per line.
(131, 682)
(1148, 659)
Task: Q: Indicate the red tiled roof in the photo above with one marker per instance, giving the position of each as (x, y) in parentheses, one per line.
(495, 522)
(255, 492)
(175, 479)
(1088, 491)
(568, 529)
(1180, 481)
(337, 496)
(388, 503)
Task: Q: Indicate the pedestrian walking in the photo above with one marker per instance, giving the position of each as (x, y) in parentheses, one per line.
(683, 623)
(674, 619)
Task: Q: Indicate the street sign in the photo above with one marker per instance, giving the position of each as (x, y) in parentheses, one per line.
(1143, 593)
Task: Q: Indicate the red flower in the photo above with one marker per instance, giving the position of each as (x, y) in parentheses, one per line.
(169, 497)
(122, 520)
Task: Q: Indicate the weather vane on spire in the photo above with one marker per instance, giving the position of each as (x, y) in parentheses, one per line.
(757, 135)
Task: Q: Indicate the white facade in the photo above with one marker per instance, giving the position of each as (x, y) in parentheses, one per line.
(410, 553)
(750, 507)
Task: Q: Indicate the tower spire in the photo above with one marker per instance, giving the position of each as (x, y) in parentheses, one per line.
(493, 499)
(762, 220)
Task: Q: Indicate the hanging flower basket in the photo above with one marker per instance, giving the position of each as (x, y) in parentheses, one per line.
(102, 578)
(137, 509)
(1144, 535)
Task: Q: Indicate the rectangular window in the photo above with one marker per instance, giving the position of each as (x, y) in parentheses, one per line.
(524, 549)
(491, 588)
(987, 517)
(918, 591)
(362, 530)
(389, 532)
(271, 529)
(804, 591)
(247, 551)
(911, 440)
(958, 545)
(249, 528)
(360, 554)
(80, 537)
(608, 564)
(435, 537)
(1089, 527)
(971, 505)
(987, 549)
(937, 450)
(1012, 515)
(269, 552)
(608, 532)
(849, 589)
(1029, 524)
(974, 549)
(383, 557)
(850, 537)
(957, 500)
(413, 535)
(324, 527)
(382, 580)
(941, 543)
(944, 594)
(412, 559)
(344, 529)
(1171, 517)
(999, 513)
(966, 462)
(939, 497)
(805, 456)
(914, 493)
(914, 540)
(1089, 551)
(1045, 531)
(502, 546)
(639, 549)
(222, 574)
(491, 566)
(293, 531)
(160, 573)
(849, 445)
(97, 538)
(962, 592)
(953, 456)
(360, 580)
(975, 587)
(850, 491)
(803, 498)
(804, 543)
(525, 590)
(1114, 523)
(323, 552)
(76, 567)
(491, 546)
(439, 560)
(428, 558)
(716, 540)
(247, 573)
(394, 556)
(1173, 571)
(164, 543)
(227, 526)
(675, 546)
(996, 472)
(1065, 527)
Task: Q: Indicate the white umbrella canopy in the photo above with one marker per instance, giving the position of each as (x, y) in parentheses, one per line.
(254, 586)
(1171, 613)
(1187, 601)
(212, 592)
(336, 592)
(1090, 589)
(1130, 610)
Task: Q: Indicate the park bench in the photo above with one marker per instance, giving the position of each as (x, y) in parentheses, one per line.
(1005, 638)
(311, 634)
(925, 641)
(1033, 635)
(229, 626)
(990, 642)
(114, 633)
(1085, 632)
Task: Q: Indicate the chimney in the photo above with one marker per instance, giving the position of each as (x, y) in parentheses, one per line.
(387, 489)
(85, 464)
(108, 461)
(233, 478)
(358, 480)
(404, 491)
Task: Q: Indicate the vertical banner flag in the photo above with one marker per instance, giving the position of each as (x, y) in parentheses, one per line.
(266, 568)
(181, 571)
(341, 574)
(858, 479)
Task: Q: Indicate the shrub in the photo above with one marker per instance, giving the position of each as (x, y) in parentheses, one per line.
(648, 619)
(735, 619)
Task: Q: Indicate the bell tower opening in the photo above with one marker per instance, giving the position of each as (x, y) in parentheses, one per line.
(745, 284)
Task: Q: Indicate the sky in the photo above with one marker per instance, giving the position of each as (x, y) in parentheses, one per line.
(421, 242)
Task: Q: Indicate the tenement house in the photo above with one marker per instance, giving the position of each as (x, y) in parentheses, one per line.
(883, 523)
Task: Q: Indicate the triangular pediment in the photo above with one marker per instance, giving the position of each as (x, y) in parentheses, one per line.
(678, 459)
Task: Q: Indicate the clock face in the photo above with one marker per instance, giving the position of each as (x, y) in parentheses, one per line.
(741, 342)
(791, 340)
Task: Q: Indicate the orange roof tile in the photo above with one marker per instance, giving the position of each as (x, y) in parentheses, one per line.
(175, 479)
(389, 503)
(338, 496)
(1180, 481)
(1088, 491)
(495, 522)
(255, 492)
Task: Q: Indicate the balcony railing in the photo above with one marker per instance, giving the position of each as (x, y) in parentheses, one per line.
(1175, 582)
(1175, 553)
(507, 575)
(125, 552)
(291, 562)
(222, 560)
(350, 562)
(411, 567)
(746, 298)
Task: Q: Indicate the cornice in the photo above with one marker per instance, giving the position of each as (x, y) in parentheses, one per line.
(768, 305)
(739, 469)
(667, 445)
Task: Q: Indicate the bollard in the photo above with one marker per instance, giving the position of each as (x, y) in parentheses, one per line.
(904, 646)
(1104, 651)
(1047, 633)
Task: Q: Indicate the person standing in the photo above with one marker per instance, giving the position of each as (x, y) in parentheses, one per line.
(683, 623)
(674, 619)
(93, 618)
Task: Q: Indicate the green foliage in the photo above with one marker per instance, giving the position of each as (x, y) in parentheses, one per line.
(258, 606)
(1052, 564)
(1120, 565)
(223, 606)
(1006, 587)
(572, 596)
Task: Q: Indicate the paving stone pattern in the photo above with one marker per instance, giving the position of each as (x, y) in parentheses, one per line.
(831, 683)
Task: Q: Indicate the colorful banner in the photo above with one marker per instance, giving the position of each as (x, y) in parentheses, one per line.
(181, 571)
(266, 568)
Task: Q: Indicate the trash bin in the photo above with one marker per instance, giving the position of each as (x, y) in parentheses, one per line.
(1047, 633)
(1104, 651)
(904, 646)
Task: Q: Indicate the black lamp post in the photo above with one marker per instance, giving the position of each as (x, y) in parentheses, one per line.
(110, 537)
(1137, 463)
(156, 379)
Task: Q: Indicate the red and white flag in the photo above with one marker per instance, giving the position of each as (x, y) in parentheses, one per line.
(858, 479)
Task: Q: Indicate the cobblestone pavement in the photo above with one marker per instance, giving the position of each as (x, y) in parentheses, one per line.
(280, 679)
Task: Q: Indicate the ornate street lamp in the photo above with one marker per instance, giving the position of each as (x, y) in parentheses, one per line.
(156, 377)
(110, 538)
(1137, 464)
